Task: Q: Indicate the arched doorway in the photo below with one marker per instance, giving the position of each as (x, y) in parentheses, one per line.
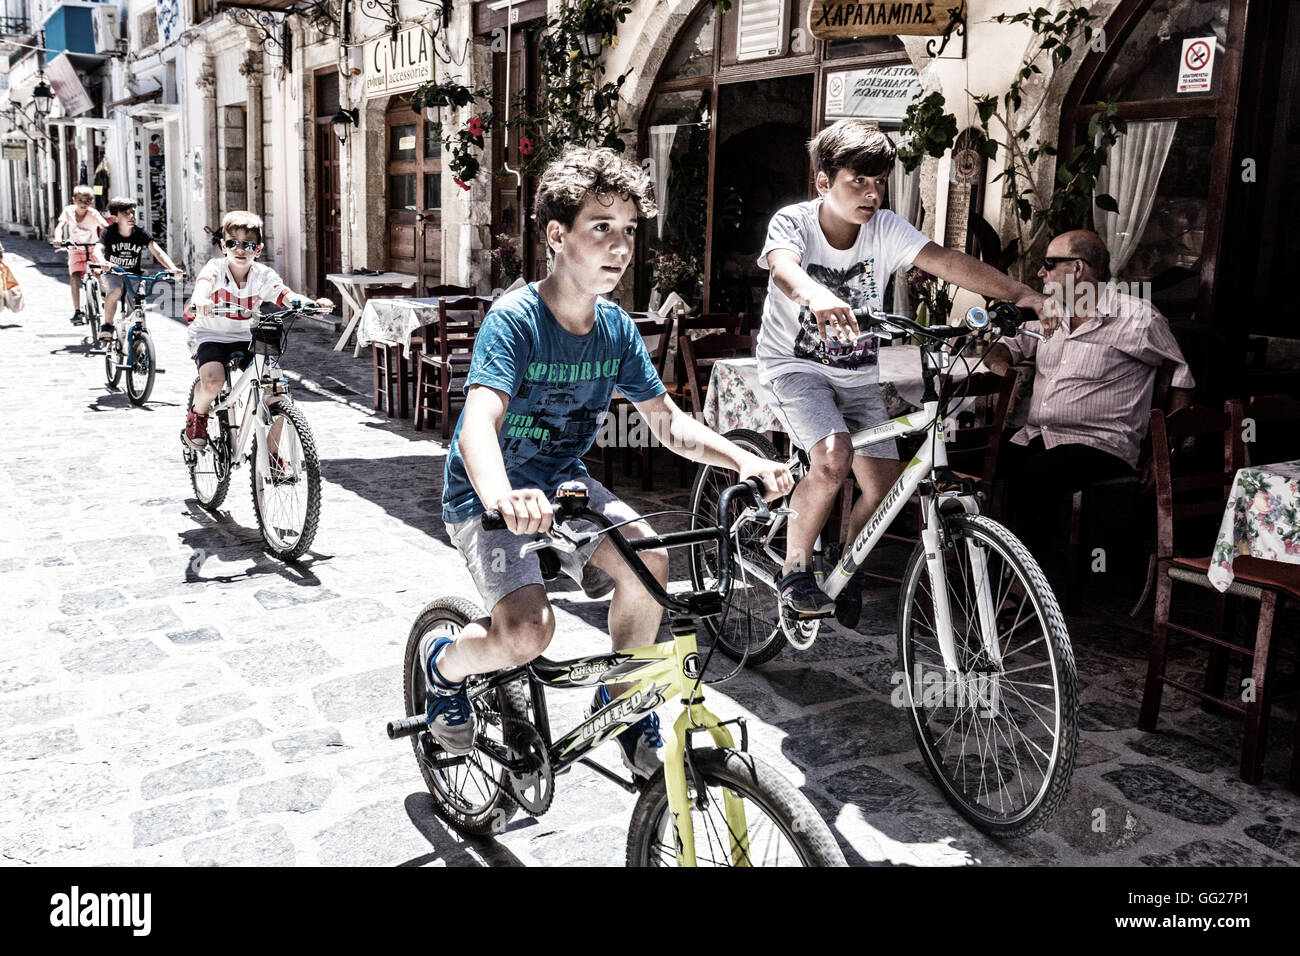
(726, 126)
(414, 190)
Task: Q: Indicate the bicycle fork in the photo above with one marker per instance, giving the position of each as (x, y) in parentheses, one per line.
(695, 716)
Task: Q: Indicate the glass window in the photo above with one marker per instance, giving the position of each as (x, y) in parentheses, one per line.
(1147, 66)
(401, 191)
(401, 142)
(432, 191)
(678, 147)
(863, 46)
(432, 140)
(693, 53)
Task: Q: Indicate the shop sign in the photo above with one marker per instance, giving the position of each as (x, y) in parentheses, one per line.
(67, 86)
(397, 64)
(842, 19)
(1196, 67)
(169, 20)
(14, 149)
(881, 94)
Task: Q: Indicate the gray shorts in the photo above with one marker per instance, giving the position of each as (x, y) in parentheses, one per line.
(812, 408)
(113, 282)
(493, 556)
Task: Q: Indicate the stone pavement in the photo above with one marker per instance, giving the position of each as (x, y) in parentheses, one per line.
(171, 695)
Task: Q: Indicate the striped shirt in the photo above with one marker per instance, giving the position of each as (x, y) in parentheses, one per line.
(1093, 384)
(262, 284)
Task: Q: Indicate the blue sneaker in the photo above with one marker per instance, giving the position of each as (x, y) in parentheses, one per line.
(448, 710)
(640, 745)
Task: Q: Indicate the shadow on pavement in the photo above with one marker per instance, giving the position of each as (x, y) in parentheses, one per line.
(407, 487)
(450, 847)
(216, 540)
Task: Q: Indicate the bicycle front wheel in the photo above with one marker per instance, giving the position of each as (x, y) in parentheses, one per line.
(780, 827)
(286, 494)
(141, 368)
(470, 792)
(210, 465)
(751, 618)
(999, 733)
(94, 309)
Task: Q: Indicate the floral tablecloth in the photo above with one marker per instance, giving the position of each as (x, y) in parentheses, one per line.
(735, 399)
(391, 321)
(1262, 519)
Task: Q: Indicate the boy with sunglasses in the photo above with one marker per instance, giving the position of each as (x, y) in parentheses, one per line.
(237, 280)
(80, 222)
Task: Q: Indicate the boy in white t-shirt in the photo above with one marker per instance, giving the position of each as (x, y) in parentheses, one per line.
(835, 254)
(237, 279)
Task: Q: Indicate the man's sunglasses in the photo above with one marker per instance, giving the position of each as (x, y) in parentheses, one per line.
(1049, 262)
(248, 244)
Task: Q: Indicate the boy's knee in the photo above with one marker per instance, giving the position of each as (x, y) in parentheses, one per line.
(834, 461)
(527, 627)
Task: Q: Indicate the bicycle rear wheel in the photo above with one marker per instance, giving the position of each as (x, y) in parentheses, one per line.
(471, 794)
(94, 308)
(751, 616)
(141, 368)
(210, 465)
(781, 828)
(287, 500)
(999, 736)
(113, 360)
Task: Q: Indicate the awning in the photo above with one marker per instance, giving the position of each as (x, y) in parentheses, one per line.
(67, 86)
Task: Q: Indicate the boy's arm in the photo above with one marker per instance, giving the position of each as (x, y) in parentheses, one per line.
(694, 440)
(59, 226)
(970, 273)
(201, 298)
(289, 295)
(164, 259)
(526, 510)
(827, 308)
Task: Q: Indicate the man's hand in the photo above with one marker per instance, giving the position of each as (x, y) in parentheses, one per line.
(774, 474)
(526, 511)
(834, 316)
(1051, 313)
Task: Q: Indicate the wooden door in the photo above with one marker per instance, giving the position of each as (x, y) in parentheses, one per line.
(414, 196)
(511, 198)
(329, 196)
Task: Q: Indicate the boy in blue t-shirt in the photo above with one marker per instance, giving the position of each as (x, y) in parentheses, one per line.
(545, 364)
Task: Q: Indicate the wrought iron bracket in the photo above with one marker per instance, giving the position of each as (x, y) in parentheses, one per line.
(956, 29)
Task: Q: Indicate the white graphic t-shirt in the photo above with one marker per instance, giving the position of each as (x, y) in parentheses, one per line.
(857, 275)
(261, 285)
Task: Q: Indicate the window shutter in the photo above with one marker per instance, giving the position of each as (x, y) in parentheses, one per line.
(762, 29)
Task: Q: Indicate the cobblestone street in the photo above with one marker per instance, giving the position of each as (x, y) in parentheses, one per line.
(169, 694)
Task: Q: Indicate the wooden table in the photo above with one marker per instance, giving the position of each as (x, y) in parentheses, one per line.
(351, 288)
(392, 321)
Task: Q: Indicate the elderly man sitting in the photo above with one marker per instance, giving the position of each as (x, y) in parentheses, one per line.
(1094, 376)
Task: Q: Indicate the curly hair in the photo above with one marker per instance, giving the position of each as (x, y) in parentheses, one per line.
(601, 171)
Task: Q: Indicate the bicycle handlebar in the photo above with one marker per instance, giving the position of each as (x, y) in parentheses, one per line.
(571, 503)
(1003, 318)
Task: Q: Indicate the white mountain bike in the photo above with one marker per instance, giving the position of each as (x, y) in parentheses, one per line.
(985, 664)
(253, 419)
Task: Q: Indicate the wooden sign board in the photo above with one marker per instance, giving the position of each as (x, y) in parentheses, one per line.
(847, 19)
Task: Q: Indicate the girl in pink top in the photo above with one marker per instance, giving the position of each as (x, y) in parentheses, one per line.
(80, 222)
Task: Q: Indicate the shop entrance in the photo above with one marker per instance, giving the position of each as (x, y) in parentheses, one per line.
(414, 196)
(329, 197)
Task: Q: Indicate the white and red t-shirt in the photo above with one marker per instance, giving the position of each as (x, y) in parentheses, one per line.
(261, 285)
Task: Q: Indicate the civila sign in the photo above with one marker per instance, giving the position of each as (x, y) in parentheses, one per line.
(397, 64)
(840, 19)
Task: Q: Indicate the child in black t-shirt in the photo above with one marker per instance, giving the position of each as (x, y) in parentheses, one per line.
(122, 244)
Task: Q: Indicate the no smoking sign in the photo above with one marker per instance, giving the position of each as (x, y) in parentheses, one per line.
(1196, 68)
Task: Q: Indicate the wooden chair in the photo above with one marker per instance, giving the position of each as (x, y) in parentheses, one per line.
(656, 332)
(693, 326)
(1193, 453)
(446, 359)
(391, 372)
(1267, 427)
(417, 338)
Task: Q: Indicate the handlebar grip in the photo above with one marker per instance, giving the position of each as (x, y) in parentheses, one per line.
(492, 521)
(406, 727)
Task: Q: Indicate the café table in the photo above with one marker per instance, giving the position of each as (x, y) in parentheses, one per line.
(1261, 519)
(735, 399)
(392, 321)
(352, 287)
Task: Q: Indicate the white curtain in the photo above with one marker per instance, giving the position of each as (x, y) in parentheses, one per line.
(661, 148)
(1131, 175)
(905, 200)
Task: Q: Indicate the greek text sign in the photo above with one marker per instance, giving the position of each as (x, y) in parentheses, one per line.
(881, 94)
(397, 65)
(1196, 68)
(839, 19)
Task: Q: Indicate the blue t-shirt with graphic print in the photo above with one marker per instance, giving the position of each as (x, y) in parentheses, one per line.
(559, 386)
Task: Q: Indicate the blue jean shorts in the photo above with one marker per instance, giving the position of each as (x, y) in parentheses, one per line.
(493, 556)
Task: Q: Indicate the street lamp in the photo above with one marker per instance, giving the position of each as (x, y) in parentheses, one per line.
(343, 121)
(41, 98)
